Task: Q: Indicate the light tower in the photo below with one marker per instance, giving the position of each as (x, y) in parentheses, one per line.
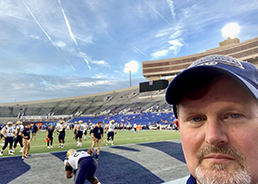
(230, 32)
(130, 67)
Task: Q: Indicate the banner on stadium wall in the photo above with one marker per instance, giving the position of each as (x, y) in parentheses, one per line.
(43, 117)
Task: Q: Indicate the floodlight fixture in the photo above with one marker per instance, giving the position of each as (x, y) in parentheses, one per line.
(230, 30)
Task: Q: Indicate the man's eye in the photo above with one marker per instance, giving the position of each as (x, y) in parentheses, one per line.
(197, 119)
(234, 116)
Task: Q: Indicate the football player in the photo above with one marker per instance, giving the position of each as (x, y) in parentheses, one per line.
(75, 130)
(79, 130)
(111, 129)
(8, 132)
(61, 130)
(18, 138)
(1, 127)
(91, 127)
(83, 164)
(85, 128)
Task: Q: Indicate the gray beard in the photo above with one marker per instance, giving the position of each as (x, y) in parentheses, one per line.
(219, 175)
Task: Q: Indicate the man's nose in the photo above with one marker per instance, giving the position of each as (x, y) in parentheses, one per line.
(215, 132)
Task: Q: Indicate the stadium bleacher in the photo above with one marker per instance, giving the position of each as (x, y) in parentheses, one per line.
(125, 105)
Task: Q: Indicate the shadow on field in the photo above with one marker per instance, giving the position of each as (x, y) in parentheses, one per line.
(12, 167)
(130, 164)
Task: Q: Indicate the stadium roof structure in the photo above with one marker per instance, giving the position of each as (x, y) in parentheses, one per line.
(245, 51)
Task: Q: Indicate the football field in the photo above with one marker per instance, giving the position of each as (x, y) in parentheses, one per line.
(121, 138)
(147, 156)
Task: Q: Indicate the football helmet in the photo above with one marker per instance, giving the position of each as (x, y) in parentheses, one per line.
(9, 123)
(70, 151)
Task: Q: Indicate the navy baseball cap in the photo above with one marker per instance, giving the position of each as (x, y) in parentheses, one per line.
(245, 73)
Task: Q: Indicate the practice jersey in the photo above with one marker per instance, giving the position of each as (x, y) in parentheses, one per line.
(80, 127)
(9, 131)
(85, 127)
(91, 127)
(111, 127)
(74, 158)
(61, 128)
(19, 128)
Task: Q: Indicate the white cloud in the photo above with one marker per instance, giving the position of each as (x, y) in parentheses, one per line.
(176, 45)
(100, 75)
(17, 86)
(31, 85)
(161, 34)
(158, 54)
(101, 63)
(85, 38)
(172, 8)
(96, 83)
(85, 57)
(187, 12)
(176, 34)
(34, 36)
(60, 44)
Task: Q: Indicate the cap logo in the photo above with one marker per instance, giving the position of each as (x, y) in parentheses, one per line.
(217, 59)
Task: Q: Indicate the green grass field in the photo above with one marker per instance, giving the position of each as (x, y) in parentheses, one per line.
(121, 138)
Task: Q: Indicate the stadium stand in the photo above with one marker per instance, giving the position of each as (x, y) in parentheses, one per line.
(124, 105)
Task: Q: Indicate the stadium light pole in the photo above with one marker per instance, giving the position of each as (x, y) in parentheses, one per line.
(130, 73)
(131, 67)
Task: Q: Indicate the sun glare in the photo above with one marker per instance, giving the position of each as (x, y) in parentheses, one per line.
(230, 30)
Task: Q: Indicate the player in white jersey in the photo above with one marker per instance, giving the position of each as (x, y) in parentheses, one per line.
(61, 130)
(83, 164)
(111, 128)
(8, 132)
(18, 138)
(91, 127)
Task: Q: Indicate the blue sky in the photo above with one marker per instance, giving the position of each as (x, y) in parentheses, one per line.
(63, 48)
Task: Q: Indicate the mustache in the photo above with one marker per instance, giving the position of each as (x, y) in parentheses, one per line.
(223, 149)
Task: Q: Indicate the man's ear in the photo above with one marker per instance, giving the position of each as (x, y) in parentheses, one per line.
(176, 122)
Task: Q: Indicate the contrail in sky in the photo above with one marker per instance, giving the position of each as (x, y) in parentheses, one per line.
(87, 62)
(44, 31)
(138, 50)
(71, 33)
(68, 25)
(70, 64)
(157, 12)
(40, 26)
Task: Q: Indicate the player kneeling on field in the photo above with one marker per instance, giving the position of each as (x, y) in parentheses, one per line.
(83, 164)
